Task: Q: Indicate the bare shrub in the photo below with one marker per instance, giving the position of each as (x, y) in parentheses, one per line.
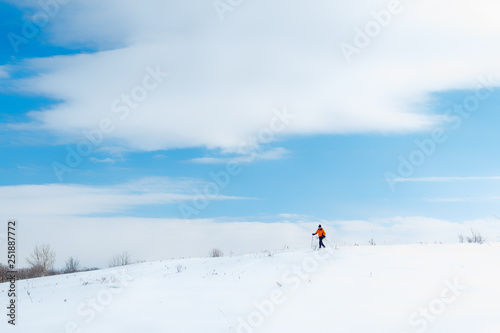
(31, 272)
(3, 273)
(475, 237)
(216, 252)
(120, 260)
(372, 240)
(72, 265)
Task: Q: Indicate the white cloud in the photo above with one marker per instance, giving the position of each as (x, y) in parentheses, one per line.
(261, 155)
(295, 217)
(226, 77)
(23, 167)
(3, 73)
(68, 200)
(470, 199)
(105, 160)
(442, 179)
(411, 229)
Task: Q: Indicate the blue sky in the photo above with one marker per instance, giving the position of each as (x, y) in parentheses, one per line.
(176, 92)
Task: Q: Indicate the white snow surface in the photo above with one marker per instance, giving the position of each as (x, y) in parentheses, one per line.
(368, 289)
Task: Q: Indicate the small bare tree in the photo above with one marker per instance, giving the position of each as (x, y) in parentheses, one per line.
(42, 259)
(120, 259)
(216, 252)
(475, 237)
(372, 241)
(72, 265)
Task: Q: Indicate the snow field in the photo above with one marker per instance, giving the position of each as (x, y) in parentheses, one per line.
(400, 289)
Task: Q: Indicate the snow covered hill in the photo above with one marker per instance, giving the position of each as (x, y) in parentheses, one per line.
(410, 288)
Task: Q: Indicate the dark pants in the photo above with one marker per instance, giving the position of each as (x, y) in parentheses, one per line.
(321, 242)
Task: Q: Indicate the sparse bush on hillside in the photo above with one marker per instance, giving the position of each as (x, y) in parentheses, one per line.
(476, 237)
(120, 260)
(88, 269)
(3, 273)
(72, 265)
(26, 272)
(372, 240)
(268, 253)
(32, 272)
(216, 252)
(41, 263)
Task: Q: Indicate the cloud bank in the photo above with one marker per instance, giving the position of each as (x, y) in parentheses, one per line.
(96, 239)
(83, 200)
(217, 82)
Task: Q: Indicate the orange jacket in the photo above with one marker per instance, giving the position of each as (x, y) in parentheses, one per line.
(320, 232)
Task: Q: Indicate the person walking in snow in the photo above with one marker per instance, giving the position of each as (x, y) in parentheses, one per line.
(321, 234)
